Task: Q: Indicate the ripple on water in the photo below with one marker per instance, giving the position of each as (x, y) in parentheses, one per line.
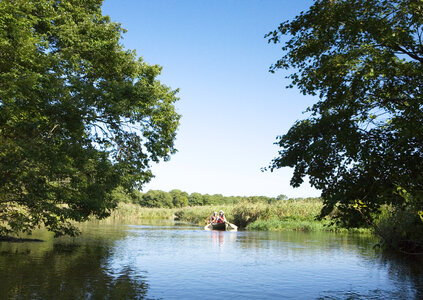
(185, 262)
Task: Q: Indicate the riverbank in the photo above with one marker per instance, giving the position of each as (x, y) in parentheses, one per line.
(292, 215)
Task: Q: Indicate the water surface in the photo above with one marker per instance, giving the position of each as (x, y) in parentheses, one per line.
(176, 261)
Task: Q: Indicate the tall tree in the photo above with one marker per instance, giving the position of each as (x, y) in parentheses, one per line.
(195, 199)
(155, 198)
(179, 198)
(79, 114)
(362, 142)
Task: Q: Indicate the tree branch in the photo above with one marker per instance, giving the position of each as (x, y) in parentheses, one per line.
(411, 54)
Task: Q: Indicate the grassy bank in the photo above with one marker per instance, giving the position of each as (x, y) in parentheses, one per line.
(296, 215)
(127, 211)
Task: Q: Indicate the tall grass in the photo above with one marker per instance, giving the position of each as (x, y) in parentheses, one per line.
(127, 211)
(246, 213)
(297, 215)
(200, 214)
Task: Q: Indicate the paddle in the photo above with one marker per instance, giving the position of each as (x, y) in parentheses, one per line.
(208, 226)
(232, 225)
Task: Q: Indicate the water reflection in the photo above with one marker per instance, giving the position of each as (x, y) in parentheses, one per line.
(219, 238)
(65, 269)
(117, 261)
(404, 280)
(404, 269)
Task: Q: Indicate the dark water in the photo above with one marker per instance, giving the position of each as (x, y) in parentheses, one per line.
(169, 261)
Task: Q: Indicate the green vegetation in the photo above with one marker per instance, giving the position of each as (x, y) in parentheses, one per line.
(177, 198)
(200, 214)
(79, 115)
(400, 229)
(126, 212)
(362, 144)
(292, 214)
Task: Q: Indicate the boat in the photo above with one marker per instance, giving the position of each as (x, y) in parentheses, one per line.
(218, 226)
(221, 226)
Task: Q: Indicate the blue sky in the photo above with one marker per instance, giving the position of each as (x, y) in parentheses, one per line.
(232, 107)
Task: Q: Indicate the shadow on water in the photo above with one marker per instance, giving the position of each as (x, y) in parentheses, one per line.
(400, 269)
(13, 239)
(66, 269)
(405, 268)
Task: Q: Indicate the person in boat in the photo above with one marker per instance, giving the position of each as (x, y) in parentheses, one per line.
(213, 217)
(221, 218)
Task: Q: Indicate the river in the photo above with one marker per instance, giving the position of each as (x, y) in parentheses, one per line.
(175, 261)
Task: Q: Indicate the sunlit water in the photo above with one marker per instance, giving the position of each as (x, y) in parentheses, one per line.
(168, 261)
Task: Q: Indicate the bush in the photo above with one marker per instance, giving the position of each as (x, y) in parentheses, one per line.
(156, 199)
(400, 229)
(245, 213)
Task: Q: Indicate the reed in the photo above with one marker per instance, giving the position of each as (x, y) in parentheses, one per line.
(301, 225)
(126, 211)
(298, 215)
(246, 213)
(287, 224)
(200, 214)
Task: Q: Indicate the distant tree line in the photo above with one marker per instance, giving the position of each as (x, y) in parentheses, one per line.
(178, 198)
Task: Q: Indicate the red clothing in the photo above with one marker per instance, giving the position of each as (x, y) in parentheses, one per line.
(221, 219)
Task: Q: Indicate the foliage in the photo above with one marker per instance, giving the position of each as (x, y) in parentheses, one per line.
(79, 115)
(246, 213)
(363, 139)
(201, 214)
(295, 215)
(178, 198)
(195, 199)
(120, 195)
(134, 212)
(400, 228)
(289, 224)
(156, 199)
(292, 215)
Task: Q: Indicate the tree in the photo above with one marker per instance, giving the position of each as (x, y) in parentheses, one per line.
(282, 197)
(155, 198)
(121, 195)
(207, 199)
(195, 199)
(179, 198)
(79, 115)
(362, 142)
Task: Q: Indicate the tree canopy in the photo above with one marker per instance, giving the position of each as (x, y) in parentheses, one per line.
(79, 114)
(362, 142)
(177, 198)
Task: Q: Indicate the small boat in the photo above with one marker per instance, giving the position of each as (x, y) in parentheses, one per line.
(221, 226)
(218, 226)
